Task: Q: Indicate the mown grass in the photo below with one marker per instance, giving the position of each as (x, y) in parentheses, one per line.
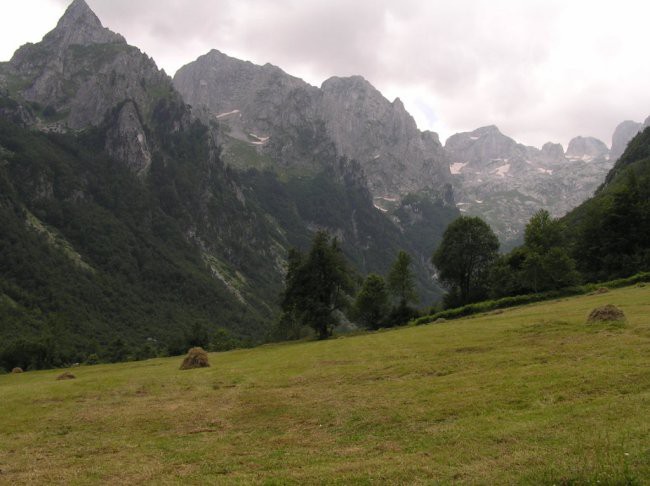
(531, 395)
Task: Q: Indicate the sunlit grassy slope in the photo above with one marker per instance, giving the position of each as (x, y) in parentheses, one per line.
(531, 395)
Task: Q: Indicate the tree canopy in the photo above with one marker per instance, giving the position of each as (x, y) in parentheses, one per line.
(317, 284)
(463, 258)
(371, 305)
(401, 282)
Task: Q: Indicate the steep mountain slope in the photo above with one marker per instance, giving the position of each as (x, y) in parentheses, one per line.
(122, 225)
(288, 119)
(610, 230)
(123, 186)
(270, 121)
(625, 132)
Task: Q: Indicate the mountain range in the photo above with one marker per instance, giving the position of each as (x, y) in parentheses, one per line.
(134, 206)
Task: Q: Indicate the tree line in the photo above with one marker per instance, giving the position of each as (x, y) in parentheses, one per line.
(320, 287)
(610, 239)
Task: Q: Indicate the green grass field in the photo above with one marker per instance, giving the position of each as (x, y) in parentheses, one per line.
(531, 395)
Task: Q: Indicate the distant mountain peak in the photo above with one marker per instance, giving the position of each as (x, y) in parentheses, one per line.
(348, 82)
(80, 26)
(79, 9)
(486, 130)
(586, 148)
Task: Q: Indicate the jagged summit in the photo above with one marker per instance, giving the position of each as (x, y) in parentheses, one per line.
(350, 85)
(80, 26)
(81, 71)
(586, 148)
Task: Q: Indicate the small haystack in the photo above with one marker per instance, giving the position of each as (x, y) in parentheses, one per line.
(607, 313)
(66, 376)
(17, 370)
(196, 358)
(602, 290)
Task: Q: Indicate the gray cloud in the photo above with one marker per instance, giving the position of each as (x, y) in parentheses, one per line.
(539, 69)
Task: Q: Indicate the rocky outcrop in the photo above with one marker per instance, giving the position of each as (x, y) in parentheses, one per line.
(80, 26)
(586, 148)
(552, 153)
(625, 132)
(82, 71)
(126, 140)
(397, 158)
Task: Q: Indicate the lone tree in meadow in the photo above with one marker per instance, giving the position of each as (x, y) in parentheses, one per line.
(317, 284)
(463, 259)
(371, 305)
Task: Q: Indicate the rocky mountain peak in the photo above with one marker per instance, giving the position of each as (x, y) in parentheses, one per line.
(80, 26)
(356, 82)
(586, 148)
(552, 153)
(488, 130)
(481, 145)
(624, 132)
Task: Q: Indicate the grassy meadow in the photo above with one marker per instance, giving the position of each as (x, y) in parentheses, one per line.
(530, 395)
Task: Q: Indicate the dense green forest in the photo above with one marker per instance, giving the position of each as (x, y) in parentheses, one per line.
(87, 250)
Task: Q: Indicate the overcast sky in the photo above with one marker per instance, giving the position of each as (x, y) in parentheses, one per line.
(539, 69)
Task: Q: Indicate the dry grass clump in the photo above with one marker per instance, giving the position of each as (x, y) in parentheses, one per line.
(17, 370)
(196, 358)
(606, 313)
(66, 376)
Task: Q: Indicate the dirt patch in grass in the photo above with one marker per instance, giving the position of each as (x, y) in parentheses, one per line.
(66, 376)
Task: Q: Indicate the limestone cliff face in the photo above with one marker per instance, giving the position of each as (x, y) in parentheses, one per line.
(299, 125)
(82, 74)
(397, 157)
(586, 148)
(625, 132)
(126, 140)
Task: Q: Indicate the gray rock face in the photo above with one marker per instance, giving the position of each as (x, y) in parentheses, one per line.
(241, 93)
(296, 123)
(586, 148)
(80, 74)
(80, 26)
(126, 140)
(397, 158)
(625, 132)
(81, 70)
(552, 153)
(505, 182)
(482, 145)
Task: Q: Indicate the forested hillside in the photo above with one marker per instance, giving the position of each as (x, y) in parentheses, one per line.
(610, 232)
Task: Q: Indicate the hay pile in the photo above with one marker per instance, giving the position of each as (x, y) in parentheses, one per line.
(196, 358)
(66, 376)
(607, 313)
(17, 370)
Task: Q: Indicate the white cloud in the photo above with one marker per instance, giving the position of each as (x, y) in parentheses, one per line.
(539, 69)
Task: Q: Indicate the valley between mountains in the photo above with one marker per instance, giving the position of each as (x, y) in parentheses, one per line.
(136, 207)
